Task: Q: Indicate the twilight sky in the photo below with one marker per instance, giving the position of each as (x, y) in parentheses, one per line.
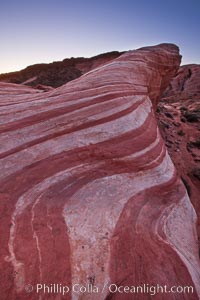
(46, 30)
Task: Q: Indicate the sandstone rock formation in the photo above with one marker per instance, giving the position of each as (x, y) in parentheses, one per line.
(57, 73)
(179, 115)
(89, 194)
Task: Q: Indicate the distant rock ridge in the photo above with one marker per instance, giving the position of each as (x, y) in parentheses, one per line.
(89, 193)
(57, 73)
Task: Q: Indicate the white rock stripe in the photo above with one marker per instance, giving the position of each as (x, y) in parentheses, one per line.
(32, 197)
(104, 200)
(104, 189)
(10, 140)
(85, 137)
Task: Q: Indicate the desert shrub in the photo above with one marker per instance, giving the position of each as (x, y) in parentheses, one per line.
(196, 173)
(168, 115)
(192, 116)
(181, 133)
(196, 144)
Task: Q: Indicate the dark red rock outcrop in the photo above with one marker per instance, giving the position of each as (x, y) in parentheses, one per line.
(179, 115)
(185, 84)
(89, 194)
(57, 73)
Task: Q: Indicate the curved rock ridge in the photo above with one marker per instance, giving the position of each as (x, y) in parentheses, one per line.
(89, 194)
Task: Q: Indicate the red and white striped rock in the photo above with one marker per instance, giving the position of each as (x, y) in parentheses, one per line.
(89, 194)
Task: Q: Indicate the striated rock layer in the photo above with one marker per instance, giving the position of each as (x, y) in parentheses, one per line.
(89, 194)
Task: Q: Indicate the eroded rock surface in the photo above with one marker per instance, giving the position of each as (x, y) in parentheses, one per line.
(89, 194)
(179, 115)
